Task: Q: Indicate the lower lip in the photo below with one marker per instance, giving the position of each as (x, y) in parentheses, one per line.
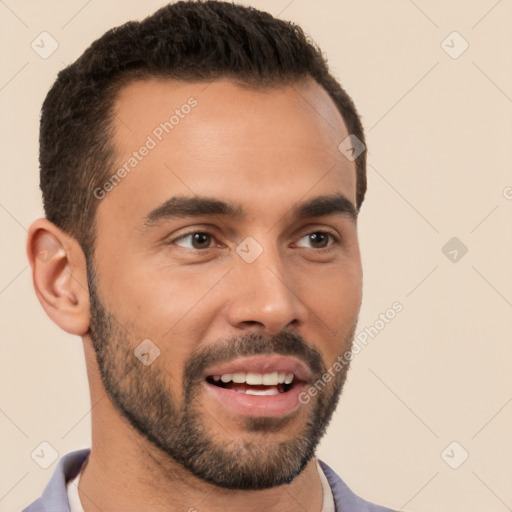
(267, 406)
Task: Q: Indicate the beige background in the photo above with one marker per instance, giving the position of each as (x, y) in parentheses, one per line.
(439, 135)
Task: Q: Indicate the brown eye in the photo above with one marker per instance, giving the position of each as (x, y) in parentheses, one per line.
(317, 240)
(195, 240)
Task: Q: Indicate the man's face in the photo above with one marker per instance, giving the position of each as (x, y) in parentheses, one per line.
(230, 248)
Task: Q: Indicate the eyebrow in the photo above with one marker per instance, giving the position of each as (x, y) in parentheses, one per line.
(182, 206)
(335, 204)
(179, 206)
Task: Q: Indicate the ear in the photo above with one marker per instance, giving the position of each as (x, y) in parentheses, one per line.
(59, 275)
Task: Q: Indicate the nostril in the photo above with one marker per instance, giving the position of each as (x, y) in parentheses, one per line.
(252, 322)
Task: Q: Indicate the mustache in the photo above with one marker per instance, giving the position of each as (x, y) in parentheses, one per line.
(285, 343)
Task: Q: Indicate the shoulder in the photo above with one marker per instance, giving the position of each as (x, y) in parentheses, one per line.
(54, 497)
(344, 499)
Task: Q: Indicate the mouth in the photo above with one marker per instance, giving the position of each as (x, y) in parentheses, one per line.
(259, 386)
(252, 383)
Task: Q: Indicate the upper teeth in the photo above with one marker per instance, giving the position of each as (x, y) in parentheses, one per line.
(255, 379)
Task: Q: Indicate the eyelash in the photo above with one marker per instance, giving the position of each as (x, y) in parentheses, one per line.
(336, 239)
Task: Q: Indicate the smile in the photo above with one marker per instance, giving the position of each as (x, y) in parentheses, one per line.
(251, 383)
(258, 386)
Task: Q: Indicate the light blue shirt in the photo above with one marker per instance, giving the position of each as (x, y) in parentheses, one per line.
(55, 498)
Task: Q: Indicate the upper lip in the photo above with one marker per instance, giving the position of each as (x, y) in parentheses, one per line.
(262, 364)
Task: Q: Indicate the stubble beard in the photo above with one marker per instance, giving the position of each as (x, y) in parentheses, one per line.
(143, 396)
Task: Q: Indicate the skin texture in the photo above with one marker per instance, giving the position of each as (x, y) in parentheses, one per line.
(264, 150)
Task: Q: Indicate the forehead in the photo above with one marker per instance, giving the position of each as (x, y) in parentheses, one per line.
(226, 140)
(223, 98)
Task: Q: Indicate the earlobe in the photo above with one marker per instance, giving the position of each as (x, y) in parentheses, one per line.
(59, 276)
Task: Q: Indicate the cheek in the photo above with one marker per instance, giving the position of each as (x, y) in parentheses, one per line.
(174, 308)
(334, 289)
(338, 304)
(334, 303)
(155, 295)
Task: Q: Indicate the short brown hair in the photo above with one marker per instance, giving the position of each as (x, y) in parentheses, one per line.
(187, 40)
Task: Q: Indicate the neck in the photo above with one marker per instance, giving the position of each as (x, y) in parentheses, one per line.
(108, 485)
(126, 472)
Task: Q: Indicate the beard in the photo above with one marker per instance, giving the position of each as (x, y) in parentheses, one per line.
(144, 396)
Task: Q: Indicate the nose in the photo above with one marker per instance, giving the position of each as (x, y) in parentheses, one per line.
(264, 296)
